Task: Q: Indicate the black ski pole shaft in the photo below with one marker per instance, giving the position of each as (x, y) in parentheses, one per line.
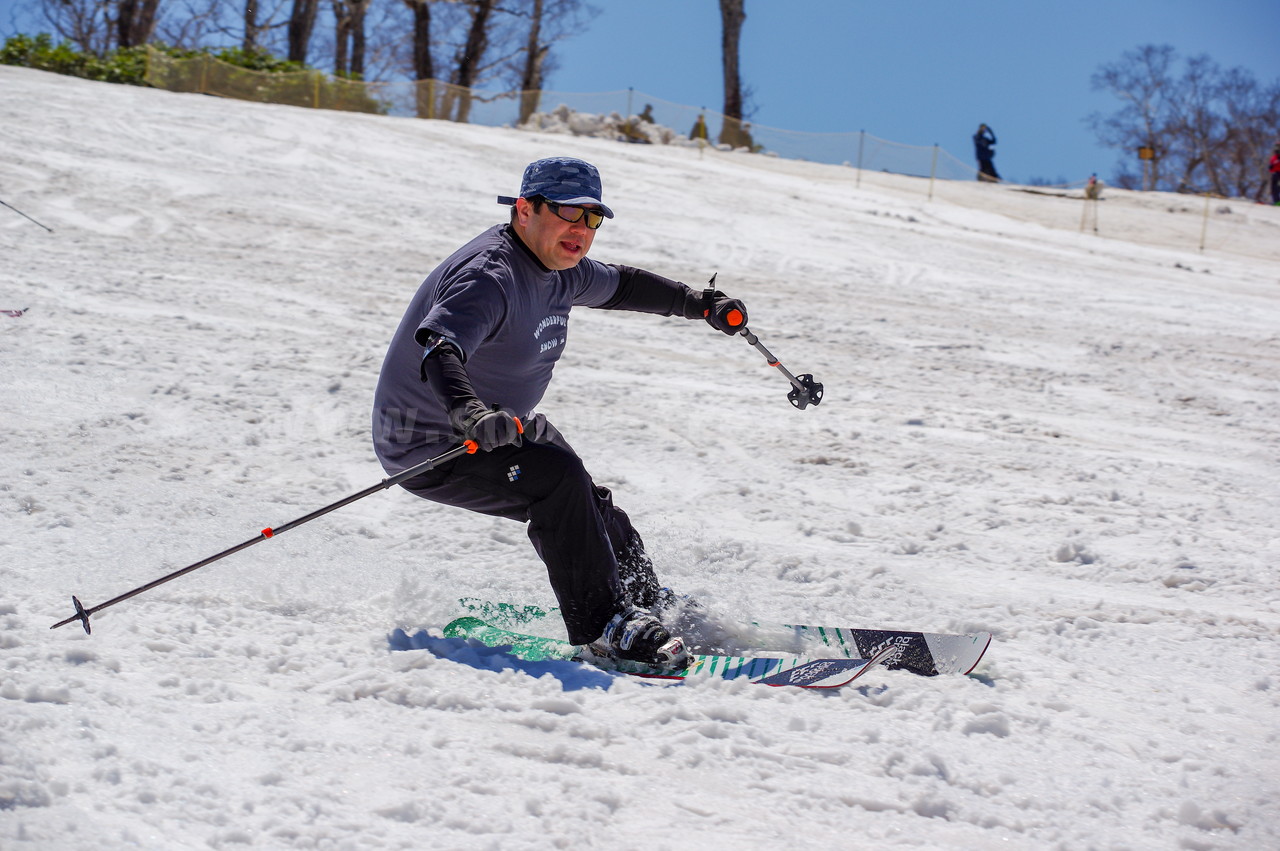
(804, 390)
(82, 614)
(768, 356)
(25, 216)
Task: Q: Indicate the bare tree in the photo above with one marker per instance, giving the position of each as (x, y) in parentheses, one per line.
(732, 15)
(98, 26)
(349, 37)
(84, 23)
(135, 21)
(472, 52)
(535, 55)
(423, 66)
(302, 20)
(342, 16)
(1252, 114)
(467, 62)
(254, 27)
(735, 130)
(1206, 130)
(359, 8)
(252, 31)
(1197, 132)
(1142, 81)
(549, 21)
(192, 24)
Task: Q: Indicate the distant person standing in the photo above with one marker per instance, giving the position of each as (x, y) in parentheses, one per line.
(984, 148)
(1093, 188)
(1275, 174)
(699, 130)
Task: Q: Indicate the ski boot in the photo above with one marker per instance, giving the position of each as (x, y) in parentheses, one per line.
(636, 635)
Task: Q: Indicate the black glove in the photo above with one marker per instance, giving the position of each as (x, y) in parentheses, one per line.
(540, 430)
(721, 312)
(488, 427)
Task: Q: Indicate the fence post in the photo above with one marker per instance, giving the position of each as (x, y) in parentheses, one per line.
(205, 59)
(1204, 228)
(862, 136)
(315, 91)
(1090, 204)
(933, 170)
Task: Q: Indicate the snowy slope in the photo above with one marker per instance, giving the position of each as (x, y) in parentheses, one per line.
(1069, 439)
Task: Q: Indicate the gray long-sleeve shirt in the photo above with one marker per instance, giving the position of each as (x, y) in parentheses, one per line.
(508, 316)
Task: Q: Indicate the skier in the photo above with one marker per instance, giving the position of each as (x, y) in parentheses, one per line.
(471, 360)
(983, 142)
(1275, 175)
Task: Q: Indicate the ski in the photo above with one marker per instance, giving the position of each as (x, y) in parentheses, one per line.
(923, 653)
(801, 672)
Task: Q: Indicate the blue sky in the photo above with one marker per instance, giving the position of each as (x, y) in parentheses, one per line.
(913, 71)
(918, 71)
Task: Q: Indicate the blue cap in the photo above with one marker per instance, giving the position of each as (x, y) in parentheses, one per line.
(564, 180)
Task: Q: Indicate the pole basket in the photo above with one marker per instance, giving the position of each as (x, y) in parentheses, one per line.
(805, 392)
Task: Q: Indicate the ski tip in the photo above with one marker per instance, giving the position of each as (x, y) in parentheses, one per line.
(462, 627)
(981, 653)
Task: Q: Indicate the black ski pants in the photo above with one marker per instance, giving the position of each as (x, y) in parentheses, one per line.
(582, 537)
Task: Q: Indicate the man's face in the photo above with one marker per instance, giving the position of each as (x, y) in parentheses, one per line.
(557, 243)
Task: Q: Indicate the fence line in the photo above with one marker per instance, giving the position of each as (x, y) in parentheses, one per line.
(627, 116)
(623, 115)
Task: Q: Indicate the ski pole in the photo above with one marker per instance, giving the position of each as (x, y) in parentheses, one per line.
(82, 614)
(804, 390)
(25, 216)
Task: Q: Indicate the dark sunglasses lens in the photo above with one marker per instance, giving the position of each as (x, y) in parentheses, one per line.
(575, 214)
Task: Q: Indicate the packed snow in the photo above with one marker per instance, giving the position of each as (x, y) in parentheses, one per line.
(1066, 437)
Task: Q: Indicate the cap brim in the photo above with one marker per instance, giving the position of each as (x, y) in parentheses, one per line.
(581, 201)
(584, 201)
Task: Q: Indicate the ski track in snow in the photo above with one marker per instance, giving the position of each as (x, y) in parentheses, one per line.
(1068, 439)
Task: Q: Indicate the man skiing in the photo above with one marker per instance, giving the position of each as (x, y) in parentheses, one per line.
(471, 360)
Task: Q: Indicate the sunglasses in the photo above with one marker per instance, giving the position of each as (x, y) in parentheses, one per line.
(595, 218)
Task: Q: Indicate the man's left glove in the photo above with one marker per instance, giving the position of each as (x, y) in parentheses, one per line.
(488, 427)
(721, 312)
